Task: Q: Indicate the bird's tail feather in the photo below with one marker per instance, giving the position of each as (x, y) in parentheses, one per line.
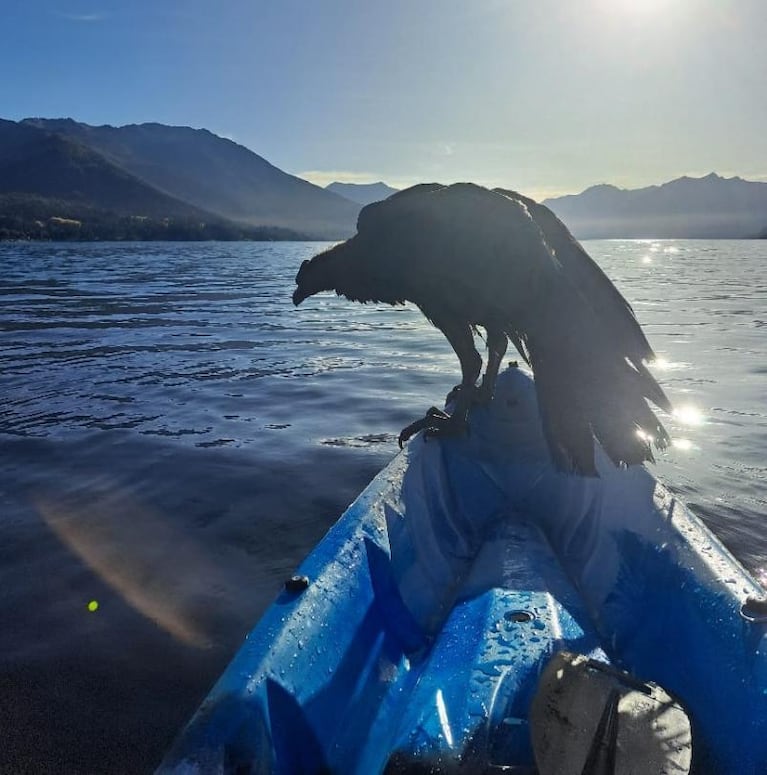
(653, 390)
(586, 391)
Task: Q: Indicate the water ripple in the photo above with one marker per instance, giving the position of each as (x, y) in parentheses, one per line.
(175, 436)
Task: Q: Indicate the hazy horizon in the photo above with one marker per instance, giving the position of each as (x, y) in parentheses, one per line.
(547, 98)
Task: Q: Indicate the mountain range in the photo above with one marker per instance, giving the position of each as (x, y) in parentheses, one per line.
(60, 178)
(158, 174)
(708, 207)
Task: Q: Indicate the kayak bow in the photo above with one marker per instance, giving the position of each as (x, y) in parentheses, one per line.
(413, 637)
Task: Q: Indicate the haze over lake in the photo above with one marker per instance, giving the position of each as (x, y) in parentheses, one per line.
(175, 437)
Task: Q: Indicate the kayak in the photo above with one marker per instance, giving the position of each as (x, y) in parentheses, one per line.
(475, 610)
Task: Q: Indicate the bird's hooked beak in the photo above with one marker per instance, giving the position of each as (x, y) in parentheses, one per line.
(300, 292)
(299, 295)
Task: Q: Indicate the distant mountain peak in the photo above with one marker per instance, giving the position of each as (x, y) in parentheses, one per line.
(602, 188)
(212, 173)
(362, 193)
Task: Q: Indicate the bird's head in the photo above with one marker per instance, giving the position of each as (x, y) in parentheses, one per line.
(357, 268)
(318, 274)
(302, 283)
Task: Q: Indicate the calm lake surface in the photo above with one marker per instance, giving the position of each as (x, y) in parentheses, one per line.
(175, 437)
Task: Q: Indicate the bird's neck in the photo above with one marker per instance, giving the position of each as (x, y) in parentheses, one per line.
(357, 284)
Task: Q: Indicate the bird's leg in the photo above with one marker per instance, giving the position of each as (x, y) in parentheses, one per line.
(462, 342)
(471, 365)
(439, 423)
(496, 349)
(428, 422)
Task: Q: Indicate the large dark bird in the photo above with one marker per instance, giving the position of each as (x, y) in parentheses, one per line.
(469, 257)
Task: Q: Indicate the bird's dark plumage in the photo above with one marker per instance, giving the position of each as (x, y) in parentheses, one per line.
(469, 257)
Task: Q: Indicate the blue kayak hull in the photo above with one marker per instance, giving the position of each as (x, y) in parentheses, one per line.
(438, 598)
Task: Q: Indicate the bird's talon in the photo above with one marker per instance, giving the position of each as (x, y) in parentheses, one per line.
(435, 423)
(413, 428)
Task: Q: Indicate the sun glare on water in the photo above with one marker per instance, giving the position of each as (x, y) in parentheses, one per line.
(688, 415)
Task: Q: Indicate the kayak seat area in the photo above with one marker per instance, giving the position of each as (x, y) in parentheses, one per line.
(469, 696)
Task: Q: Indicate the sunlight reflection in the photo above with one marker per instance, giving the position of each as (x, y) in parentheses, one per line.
(664, 364)
(683, 444)
(443, 718)
(688, 415)
(646, 260)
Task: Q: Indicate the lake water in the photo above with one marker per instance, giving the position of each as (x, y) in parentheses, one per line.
(175, 437)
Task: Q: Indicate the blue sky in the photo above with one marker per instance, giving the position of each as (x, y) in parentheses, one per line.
(545, 96)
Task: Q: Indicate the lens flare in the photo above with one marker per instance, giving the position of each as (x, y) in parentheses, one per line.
(128, 546)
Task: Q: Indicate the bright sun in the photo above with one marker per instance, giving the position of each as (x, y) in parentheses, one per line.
(642, 8)
(637, 9)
